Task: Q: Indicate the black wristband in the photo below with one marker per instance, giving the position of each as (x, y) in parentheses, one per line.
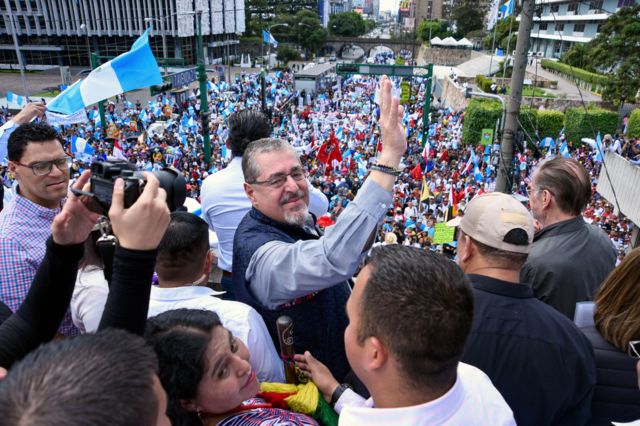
(385, 169)
(337, 393)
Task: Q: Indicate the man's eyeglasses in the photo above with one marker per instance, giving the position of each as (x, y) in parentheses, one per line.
(279, 179)
(42, 168)
(634, 349)
(532, 189)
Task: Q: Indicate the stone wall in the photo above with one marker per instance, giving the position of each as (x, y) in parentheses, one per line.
(452, 94)
(443, 56)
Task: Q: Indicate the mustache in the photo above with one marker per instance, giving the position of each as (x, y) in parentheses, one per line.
(290, 196)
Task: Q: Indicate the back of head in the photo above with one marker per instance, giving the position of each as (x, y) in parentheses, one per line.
(420, 305)
(568, 181)
(245, 127)
(183, 249)
(261, 146)
(501, 227)
(26, 133)
(105, 378)
(180, 339)
(617, 313)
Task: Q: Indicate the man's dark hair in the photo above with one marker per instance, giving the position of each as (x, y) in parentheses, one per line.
(245, 127)
(420, 305)
(183, 247)
(568, 181)
(95, 379)
(502, 258)
(28, 133)
(181, 338)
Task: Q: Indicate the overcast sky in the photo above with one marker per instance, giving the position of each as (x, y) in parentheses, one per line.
(389, 5)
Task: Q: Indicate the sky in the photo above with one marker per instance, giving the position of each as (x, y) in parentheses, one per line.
(389, 5)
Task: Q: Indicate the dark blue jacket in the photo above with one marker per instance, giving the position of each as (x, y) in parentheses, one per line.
(318, 323)
(541, 363)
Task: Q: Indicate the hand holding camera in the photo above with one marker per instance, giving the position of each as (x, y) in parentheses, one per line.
(141, 226)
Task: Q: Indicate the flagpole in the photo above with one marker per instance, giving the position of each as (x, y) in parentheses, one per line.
(504, 68)
(493, 43)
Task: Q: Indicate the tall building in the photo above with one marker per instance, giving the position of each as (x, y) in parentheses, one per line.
(62, 32)
(407, 14)
(563, 23)
(429, 10)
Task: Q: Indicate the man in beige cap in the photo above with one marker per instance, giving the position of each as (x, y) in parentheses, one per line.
(538, 360)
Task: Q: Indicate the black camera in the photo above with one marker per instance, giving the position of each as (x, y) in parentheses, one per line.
(105, 173)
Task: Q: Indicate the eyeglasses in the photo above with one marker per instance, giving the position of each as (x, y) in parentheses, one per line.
(43, 168)
(532, 189)
(634, 349)
(279, 179)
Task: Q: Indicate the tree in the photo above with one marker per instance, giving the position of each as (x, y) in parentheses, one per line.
(287, 53)
(468, 16)
(615, 51)
(435, 28)
(306, 30)
(578, 56)
(347, 24)
(502, 34)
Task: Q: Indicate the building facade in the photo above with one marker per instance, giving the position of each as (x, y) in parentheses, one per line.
(563, 23)
(63, 32)
(429, 10)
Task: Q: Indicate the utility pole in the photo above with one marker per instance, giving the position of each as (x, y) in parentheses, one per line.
(204, 103)
(504, 182)
(16, 44)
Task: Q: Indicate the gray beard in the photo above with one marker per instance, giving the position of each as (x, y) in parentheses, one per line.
(298, 218)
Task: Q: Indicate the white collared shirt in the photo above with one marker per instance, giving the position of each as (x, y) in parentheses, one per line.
(473, 400)
(224, 204)
(242, 320)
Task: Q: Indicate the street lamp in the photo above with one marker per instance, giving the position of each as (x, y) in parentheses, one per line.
(164, 38)
(269, 46)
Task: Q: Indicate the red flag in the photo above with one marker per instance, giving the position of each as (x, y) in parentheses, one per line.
(416, 172)
(329, 151)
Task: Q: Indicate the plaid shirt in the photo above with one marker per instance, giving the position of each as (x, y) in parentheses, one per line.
(24, 229)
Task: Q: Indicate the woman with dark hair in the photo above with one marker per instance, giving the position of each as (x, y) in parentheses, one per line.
(614, 323)
(206, 373)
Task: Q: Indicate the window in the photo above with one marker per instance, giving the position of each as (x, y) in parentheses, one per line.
(596, 5)
(555, 8)
(578, 28)
(559, 27)
(573, 6)
(623, 3)
(543, 26)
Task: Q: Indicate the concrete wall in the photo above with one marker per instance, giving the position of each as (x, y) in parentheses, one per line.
(452, 94)
(451, 57)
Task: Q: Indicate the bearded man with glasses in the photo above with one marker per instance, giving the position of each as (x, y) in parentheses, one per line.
(41, 167)
(283, 266)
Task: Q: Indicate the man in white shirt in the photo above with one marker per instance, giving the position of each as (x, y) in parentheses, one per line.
(405, 341)
(183, 265)
(224, 202)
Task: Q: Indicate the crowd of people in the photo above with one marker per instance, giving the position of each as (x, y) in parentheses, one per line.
(298, 198)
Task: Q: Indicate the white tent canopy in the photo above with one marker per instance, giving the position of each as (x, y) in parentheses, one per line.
(436, 41)
(465, 43)
(449, 42)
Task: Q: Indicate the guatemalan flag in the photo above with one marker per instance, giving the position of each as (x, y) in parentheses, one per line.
(81, 148)
(132, 70)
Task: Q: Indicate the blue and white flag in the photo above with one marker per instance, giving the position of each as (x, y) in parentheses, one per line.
(548, 142)
(267, 38)
(132, 70)
(564, 150)
(599, 150)
(507, 9)
(18, 100)
(81, 148)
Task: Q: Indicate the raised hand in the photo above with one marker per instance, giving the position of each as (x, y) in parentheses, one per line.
(74, 223)
(394, 139)
(141, 226)
(29, 112)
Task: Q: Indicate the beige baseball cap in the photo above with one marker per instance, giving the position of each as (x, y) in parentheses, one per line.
(489, 217)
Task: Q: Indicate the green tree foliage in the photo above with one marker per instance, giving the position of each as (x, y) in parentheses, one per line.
(502, 35)
(583, 124)
(438, 29)
(633, 127)
(480, 114)
(615, 50)
(287, 53)
(347, 24)
(468, 16)
(549, 123)
(578, 56)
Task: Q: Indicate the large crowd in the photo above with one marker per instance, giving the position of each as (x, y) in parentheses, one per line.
(359, 162)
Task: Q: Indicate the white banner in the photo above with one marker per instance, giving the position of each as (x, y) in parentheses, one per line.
(79, 116)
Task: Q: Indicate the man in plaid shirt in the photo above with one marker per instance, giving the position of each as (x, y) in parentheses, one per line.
(41, 167)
